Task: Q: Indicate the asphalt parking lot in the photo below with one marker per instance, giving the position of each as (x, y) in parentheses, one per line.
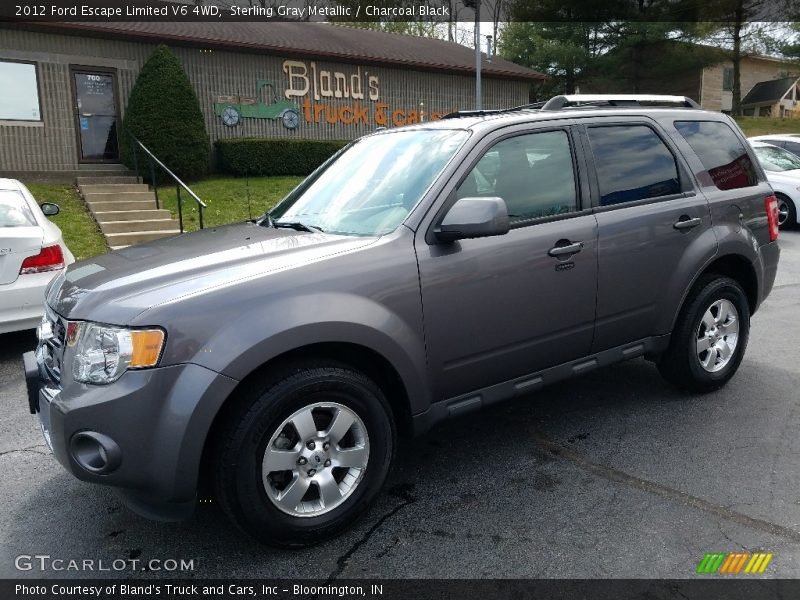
(612, 475)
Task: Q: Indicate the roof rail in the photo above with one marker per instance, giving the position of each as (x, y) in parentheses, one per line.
(559, 102)
(471, 113)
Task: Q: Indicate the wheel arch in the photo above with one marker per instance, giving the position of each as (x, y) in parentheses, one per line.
(737, 267)
(357, 356)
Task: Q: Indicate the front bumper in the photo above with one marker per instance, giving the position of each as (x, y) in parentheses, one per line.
(158, 419)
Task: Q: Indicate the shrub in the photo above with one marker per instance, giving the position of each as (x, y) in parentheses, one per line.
(260, 156)
(164, 113)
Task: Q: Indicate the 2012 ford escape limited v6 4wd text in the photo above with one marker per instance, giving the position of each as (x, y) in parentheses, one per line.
(420, 273)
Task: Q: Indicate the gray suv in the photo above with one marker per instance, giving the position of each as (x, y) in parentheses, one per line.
(421, 273)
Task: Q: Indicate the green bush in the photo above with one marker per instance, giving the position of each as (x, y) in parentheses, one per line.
(164, 113)
(260, 156)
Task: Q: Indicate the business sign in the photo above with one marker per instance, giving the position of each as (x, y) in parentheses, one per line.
(317, 96)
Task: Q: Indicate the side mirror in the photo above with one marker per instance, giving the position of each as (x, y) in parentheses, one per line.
(474, 218)
(49, 209)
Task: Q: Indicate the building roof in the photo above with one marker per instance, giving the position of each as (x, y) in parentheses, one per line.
(311, 40)
(769, 91)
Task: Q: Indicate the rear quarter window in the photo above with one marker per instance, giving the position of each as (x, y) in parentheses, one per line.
(721, 152)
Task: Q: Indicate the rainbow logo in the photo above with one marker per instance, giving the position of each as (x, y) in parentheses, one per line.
(734, 563)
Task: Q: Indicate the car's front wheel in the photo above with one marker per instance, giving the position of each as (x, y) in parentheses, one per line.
(710, 336)
(305, 453)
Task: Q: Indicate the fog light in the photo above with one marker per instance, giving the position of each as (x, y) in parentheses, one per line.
(95, 452)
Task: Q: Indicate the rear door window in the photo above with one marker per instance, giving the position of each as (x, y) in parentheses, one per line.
(632, 163)
(722, 153)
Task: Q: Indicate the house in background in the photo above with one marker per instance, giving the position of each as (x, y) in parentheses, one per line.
(706, 78)
(716, 84)
(776, 98)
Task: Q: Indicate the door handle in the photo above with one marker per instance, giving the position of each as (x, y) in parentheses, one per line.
(685, 223)
(572, 248)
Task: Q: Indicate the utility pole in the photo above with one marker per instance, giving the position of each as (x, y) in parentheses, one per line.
(478, 95)
(476, 6)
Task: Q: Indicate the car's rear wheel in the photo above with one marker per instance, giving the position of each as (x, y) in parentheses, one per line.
(710, 336)
(304, 454)
(787, 212)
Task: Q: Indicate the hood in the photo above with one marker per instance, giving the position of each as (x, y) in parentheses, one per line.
(116, 287)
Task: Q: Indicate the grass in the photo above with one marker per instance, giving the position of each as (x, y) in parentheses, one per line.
(80, 231)
(226, 198)
(765, 125)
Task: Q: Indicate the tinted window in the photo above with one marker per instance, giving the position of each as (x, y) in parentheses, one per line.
(792, 147)
(23, 103)
(533, 173)
(721, 153)
(632, 164)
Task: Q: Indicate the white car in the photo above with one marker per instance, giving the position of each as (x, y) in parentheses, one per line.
(32, 253)
(783, 172)
(788, 141)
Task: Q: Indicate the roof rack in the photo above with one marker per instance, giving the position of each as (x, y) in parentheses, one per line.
(623, 100)
(472, 113)
(586, 101)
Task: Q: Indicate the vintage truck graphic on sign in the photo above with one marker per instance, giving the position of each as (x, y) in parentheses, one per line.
(265, 105)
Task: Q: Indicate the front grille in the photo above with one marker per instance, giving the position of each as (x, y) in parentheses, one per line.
(51, 348)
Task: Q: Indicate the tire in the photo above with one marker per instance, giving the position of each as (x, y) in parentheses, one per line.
(290, 119)
(787, 211)
(683, 364)
(250, 491)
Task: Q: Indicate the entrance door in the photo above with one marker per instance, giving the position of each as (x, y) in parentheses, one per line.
(96, 114)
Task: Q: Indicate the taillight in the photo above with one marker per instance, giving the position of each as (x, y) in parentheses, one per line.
(49, 259)
(771, 204)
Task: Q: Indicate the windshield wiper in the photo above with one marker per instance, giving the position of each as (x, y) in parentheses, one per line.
(296, 225)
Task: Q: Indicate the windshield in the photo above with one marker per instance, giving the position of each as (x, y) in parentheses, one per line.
(777, 159)
(14, 210)
(371, 187)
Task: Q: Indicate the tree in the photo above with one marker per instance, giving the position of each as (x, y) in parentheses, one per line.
(741, 28)
(561, 50)
(164, 114)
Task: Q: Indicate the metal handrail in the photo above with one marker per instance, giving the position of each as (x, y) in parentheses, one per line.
(178, 183)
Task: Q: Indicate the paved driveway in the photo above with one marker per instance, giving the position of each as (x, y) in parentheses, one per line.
(611, 475)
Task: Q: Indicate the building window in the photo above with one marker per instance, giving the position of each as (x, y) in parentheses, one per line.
(727, 79)
(22, 104)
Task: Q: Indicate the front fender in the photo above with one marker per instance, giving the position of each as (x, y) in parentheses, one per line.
(243, 344)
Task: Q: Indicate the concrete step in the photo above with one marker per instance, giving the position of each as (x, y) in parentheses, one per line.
(132, 215)
(109, 188)
(104, 167)
(137, 237)
(131, 226)
(97, 207)
(105, 179)
(119, 197)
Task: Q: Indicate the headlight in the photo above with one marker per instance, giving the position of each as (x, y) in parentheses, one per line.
(104, 353)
